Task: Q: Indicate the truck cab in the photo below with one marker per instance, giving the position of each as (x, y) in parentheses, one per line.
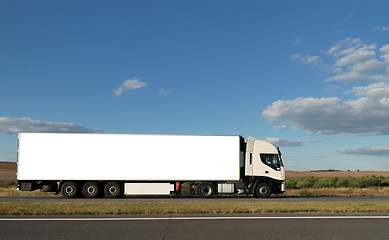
(264, 167)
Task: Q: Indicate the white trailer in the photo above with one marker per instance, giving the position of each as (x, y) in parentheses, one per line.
(89, 165)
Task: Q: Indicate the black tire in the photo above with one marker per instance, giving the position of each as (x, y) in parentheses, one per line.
(113, 190)
(263, 190)
(69, 189)
(91, 190)
(206, 190)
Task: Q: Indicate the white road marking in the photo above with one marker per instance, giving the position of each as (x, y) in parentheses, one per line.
(190, 218)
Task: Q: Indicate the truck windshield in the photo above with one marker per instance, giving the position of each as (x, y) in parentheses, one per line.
(279, 153)
(272, 160)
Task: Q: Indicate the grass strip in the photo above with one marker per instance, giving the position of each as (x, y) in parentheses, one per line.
(190, 208)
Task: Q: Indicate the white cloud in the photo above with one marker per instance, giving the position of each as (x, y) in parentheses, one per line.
(356, 61)
(370, 151)
(380, 29)
(130, 84)
(368, 111)
(282, 127)
(385, 53)
(333, 49)
(295, 56)
(350, 46)
(367, 115)
(353, 57)
(370, 66)
(375, 90)
(347, 45)
(306, 59)
(26, 124)
(350, 77)
(289, 143)
(163, 91)
(314, 60)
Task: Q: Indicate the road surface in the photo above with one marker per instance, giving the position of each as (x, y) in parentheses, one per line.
(355, 227)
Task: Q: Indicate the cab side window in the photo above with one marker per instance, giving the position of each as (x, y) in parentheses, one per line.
(272, 160)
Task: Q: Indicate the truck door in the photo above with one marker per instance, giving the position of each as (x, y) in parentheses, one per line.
(269, 165)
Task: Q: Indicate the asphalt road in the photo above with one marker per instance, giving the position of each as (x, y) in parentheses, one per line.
(255, 227)
(194, 199)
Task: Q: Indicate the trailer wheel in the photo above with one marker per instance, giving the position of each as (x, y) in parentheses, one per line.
(91, 190)
(206, 190)
(69, 189)
(112, 190)
(263, 190)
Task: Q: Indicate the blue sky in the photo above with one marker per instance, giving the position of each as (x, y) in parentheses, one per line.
(312, 77)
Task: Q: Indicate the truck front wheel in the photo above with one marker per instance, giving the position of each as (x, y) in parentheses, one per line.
(263, 190)
(69, 189)
(91, 190)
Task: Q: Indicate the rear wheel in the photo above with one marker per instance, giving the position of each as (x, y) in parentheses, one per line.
(206, 190)
(69, 189)
(263, 190)
(113, 190)
(91, 190)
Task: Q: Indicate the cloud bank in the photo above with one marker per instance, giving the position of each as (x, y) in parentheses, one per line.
(367, 115)
(25, 124)
(289, 143)
(367, 111)
(372, 151)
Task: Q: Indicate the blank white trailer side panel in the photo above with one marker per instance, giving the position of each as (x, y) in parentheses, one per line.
(71, 156)
(148, 188)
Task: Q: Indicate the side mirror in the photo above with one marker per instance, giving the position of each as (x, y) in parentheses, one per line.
(278, 169)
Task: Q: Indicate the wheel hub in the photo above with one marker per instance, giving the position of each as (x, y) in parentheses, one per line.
(91, 190)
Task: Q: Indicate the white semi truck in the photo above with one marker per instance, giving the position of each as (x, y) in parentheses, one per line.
(114, 165)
